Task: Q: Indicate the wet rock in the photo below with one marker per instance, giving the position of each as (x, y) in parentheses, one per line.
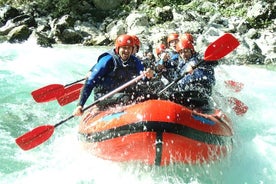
(19, 34)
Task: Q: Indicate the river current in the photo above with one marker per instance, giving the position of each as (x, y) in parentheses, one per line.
(26, 67)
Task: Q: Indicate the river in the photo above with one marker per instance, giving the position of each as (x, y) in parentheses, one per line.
(26, 67)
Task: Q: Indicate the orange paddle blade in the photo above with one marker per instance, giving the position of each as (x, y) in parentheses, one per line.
(221, 47)
(48, 93)
(35, 137)
(72, 93)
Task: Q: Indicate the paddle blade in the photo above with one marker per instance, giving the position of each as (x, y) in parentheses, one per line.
(48, 93)
(35, 137)
(72, 93)
(236, 86)
(221, 47)
(238, 106)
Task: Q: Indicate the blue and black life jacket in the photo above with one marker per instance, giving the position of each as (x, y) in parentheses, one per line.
(202, 79)
(119, 74)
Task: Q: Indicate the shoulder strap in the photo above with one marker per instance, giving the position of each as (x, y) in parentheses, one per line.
(115, 58)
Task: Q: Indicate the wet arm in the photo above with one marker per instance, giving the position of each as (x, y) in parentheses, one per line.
(97, 73)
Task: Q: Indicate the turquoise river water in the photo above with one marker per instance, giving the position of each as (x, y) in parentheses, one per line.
(26, 67)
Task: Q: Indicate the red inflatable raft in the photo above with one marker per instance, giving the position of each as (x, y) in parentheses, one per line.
(156, 132)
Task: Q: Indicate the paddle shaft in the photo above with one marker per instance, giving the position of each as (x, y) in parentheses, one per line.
(70, 84)
(105, 96)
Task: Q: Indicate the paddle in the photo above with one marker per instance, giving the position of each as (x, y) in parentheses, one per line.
(71, 94)
(231, 84)
(53, 91)
(238, 106)
(221, 47)
(42, 133)
(234, 85)
(215, 51)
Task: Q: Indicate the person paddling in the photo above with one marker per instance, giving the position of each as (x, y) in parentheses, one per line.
(195, 88)
(114, 68)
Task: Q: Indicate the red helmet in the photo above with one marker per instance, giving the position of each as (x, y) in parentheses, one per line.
(187, 36)
(123, 40)
(160, 48)
(184, 44)
(136, 40)
(172, 36)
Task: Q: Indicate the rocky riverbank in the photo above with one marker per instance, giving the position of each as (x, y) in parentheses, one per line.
(258, 44)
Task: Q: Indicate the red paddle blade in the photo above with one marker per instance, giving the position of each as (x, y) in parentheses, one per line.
(239, 107)
(48, 93)
(221, 47)
(72, 93)
(236, 86)
(35, 137)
